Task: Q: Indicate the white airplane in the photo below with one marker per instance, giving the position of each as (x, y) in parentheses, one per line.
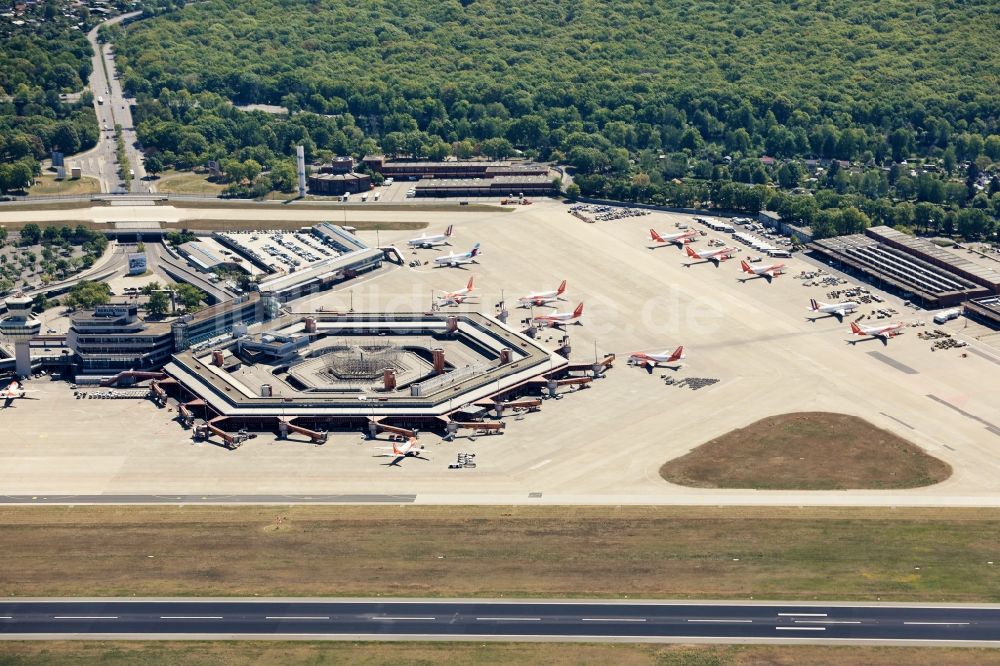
(884, 331)
(542, 297)
(12, 392)
(653, 360)
(558, 318)
(409, 449)
(428, 241)
(457, 297)
(715, 256)
(766, 272)
(678, 239)
(453, 260)
(838, 310)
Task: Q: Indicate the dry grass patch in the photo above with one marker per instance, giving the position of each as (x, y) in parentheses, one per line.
(807, 451)
(187, 182)
(280, 653)
(639, 552)
(46, 184)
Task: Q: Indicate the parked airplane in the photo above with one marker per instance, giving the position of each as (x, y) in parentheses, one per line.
(428, 241)
(12, 392)
(407, 450)
(454, 260)
(558, 318)
(766, 272)
(678, 239)
(653, 360)
(543, 297)
(884, 332)
(457, 297)
(838, 310)
(715, 256)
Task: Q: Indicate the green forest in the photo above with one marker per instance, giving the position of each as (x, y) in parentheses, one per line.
(44, 57)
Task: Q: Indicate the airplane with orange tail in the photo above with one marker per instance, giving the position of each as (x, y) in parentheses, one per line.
(457, 297)
(883, 332)
(12, 392)
(678, 239)
(714, 256)
(557, 319)
(653, 360)
(543, 297)
(408, 449)
(766, 272)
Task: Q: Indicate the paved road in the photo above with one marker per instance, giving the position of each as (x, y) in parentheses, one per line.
(101, 161)
(498, 619)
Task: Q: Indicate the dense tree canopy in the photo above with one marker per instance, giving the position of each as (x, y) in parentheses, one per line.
(644, 99)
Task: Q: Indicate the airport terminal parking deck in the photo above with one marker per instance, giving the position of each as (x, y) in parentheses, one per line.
(597, 446)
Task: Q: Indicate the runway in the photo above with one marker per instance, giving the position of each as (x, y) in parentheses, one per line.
(500, 620)
(206, 499)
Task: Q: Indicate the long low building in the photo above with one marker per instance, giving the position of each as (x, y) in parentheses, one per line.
(932, 254)
(501, 186)
(985, 310)
(452, 168)
(896, 268)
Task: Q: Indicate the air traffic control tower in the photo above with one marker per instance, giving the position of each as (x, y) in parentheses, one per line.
(19, 327)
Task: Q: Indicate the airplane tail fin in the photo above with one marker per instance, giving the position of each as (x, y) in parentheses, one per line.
(475, 250)
(578, 311)
(447, 232)
(561, 289)
(813, 305)
(691, 253)
(655, 236)
(678, 353)
(746, 267)
(855, 328)
(472, 281)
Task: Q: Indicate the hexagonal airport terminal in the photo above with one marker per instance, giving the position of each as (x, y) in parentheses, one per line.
(343, 367)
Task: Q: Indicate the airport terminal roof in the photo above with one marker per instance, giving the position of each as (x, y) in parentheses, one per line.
(979, 274)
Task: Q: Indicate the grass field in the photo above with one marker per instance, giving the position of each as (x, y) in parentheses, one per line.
(263, 653)
(187, 182)
(807, 451)
(639, 552)
(46, 184)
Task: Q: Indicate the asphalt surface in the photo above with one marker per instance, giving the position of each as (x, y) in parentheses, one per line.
(101, 161)
(207, 499)
(514, 620)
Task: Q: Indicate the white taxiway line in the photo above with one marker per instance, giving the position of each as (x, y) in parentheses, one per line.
(404, 618)
(191, 617)
(85, 617)
(801, 614)
(612, 619)
(801, 628)
(828, 621)
(301, 617)
(723, 621)
(508, 619)
(937, 623)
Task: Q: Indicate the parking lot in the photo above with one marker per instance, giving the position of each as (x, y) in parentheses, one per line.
(283, 251)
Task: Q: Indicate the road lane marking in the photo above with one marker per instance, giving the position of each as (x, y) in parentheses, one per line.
(404, 618)
(508, 619)
(936, 623)
(801, 628)
(85, 617)
(726, 621)
(802, 615)
(829, 621)
(612, 619)
(190, 617)
(301, 617)
(6, 617)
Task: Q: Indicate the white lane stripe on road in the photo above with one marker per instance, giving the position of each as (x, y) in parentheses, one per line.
(612, 619)
(6, 617)
(190, 617)
(723, 621)
(300, 617)
(404, 618)
(828, 621)
(801, 628)
(85, 617)
(801, 614)
(508, 619)
(938, 623)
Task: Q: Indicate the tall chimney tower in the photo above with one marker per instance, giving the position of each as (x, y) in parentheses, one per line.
(300, 160)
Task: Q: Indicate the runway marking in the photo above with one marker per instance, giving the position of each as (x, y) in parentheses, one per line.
(897, 420)
(6, 617)
(726, 621)
(938, 623)
(85, 617)
(612, 619)
(508, 619)
(989, 426)
(802, 614)
(300, 617)
(829, 621)
(541, 464)
(888, 360)
(801, 628)
(191, 617)
(404, 618)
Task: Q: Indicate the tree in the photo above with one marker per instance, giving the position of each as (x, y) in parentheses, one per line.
(150, 288)
(87, 294)
(158, 304)
(789, 174)
(189, 296)
(573, 191)
(974, 223)
(496, 148)
(31, 234)
(153, 164)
